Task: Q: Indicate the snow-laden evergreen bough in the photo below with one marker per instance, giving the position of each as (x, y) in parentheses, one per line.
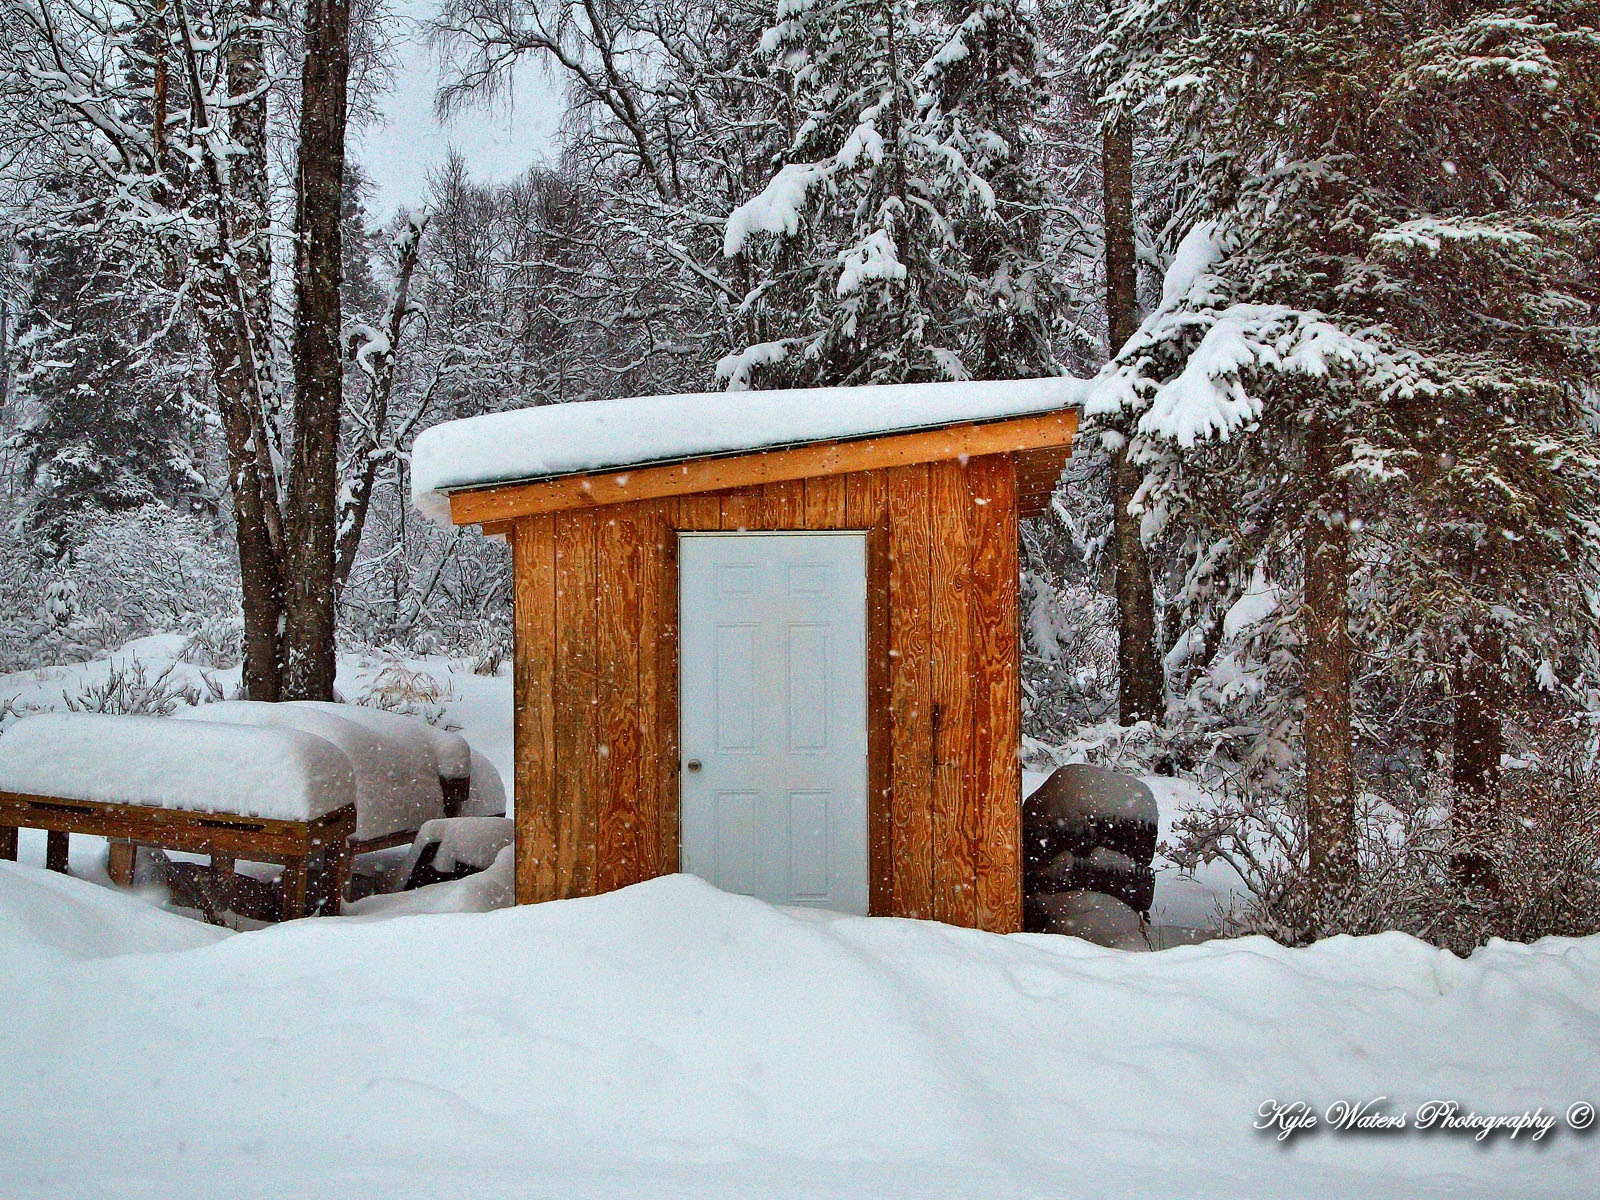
(900, 237)
(1371, 378)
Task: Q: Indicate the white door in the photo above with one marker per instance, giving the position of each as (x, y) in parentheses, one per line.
(773, 703)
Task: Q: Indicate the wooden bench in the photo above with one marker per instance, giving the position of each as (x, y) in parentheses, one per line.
(456, 792)
(315, 854)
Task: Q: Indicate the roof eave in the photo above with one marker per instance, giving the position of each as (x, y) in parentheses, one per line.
(496, 503)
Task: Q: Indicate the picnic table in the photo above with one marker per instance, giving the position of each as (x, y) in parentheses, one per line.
(270, 795)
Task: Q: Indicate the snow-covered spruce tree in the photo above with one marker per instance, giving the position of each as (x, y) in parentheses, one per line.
(106, 417)
(1153, 195)
(900, 236)
(1141, 695)
(1391, 320)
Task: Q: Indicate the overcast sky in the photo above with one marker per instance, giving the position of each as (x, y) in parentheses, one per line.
(497, 144)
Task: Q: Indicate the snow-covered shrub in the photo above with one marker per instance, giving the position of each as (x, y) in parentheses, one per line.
(155, 569)
(131, 574)
(399, 687)
(1069, 645)
(130, 688)
(490, 655)
(60, 606)
(425, 589)
(1542, 857)
(484, 645)
(214, 642)
(87, 638)
(23, 580)
(10, 710)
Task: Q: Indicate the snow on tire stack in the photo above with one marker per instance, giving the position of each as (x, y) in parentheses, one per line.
(1089, 838)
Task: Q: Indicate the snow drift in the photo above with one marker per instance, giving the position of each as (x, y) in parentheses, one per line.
(670, 1040)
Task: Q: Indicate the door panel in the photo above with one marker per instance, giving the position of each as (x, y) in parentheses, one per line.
(808, 846)
(808, 680)
(773, 715)
(737, 822)
(735, 696)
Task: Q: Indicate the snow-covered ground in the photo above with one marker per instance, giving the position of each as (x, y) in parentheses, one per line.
(671, 1040)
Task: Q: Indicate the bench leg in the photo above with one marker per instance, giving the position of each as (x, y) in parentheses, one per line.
(294, 889)
(121, 860)
(56, 844)
(456, 794)
(8, 843)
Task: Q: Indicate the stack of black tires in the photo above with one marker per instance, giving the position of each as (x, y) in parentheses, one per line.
(1089, 839)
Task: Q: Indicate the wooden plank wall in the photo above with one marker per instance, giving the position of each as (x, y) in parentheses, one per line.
(597, 679)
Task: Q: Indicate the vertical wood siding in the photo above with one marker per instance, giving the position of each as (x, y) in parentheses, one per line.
(596, 681)
(534, 710)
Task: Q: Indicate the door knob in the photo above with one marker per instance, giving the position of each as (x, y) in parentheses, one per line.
(693, 764)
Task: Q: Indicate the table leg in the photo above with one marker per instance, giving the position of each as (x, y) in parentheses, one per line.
(121, 860)
(294, 889)
(223, 879)
(8, 843)
(338, 876)
(56, 844)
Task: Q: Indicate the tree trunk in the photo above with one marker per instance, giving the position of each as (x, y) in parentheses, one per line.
(1330, 771)
(260, 576)
(1478, 743)
(241, 366)
(251, 447)
(1140, 697)
(313, 478)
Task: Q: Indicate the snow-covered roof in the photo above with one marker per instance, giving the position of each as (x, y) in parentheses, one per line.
(607, 435)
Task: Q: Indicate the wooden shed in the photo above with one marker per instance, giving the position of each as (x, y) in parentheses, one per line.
(770, 638)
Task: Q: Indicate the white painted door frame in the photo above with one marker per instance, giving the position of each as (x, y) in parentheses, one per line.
(773, 715)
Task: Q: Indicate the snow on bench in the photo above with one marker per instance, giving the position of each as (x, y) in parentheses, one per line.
(566, 439)
(398, 761)
(486, 795)
(452, 757)
(454, 847)
(279, 774)
(380, 776)
(481, 793)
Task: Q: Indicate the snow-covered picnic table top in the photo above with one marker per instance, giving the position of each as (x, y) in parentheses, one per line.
(602, 435)
(283, 774)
